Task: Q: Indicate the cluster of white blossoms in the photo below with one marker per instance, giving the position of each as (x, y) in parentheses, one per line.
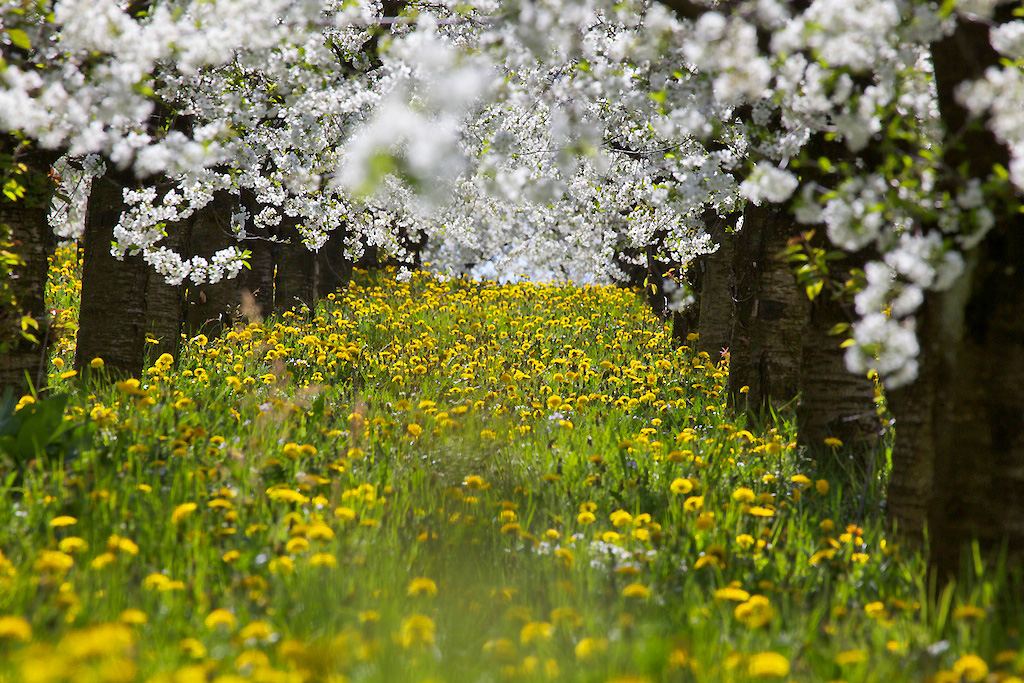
(524, 138)
(768, 183)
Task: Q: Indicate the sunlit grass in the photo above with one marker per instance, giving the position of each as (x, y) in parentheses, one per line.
(441, 480)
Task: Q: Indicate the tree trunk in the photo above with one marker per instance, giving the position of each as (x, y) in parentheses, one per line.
(256, 283)
(978, 405)
(123, 301)
(959, 428)
(912, 477)
(23, 363)
(212, 306)
(165, 303)
(716, 288)
(770, 316)
(295, 280)
(112, 318)
(333, 271)
(835, 403)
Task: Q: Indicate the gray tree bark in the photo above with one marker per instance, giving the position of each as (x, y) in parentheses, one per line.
(960, 427)
(26, 221)
(770, 317)
(123, 301)
(296, 275)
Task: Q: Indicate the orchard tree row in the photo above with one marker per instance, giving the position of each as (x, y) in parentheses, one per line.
(828, 189)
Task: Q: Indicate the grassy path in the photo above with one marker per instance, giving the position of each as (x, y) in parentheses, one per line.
(434, 480)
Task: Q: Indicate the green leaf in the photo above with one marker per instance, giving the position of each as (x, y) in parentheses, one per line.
(839, 328)
(19, 38)
(14, 190)
(814, 289)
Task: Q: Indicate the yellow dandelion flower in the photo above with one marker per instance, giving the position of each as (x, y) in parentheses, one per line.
(693, 503)
(732, 593)
(122, 545)
(196, 650)
(96, 363)
(768, 665)
(323, 560)
(133, 617)
(182, 511)
(156, 581)
(588, 647)
(743, 495)
(636, 590)
(416, 630)
(62, 521)
(319, 531)
(72, 545)
(620, 518)
(103, 560)
(13, 627)
(755, 612)
(681, 486)
(535, 631)
(421, 586)
(220, 618)
(295, 545)
(286, 495)
(708, 561)
(968, 612)
(281, 565)
(565, 557)
(500, 649)
(414, 430)
(586, 518)
(256, 630)
(801, 481)
(875, 610)
(970, 668)
(54, 561)
(474, 482)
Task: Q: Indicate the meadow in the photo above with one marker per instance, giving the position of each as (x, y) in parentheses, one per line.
(435, 480)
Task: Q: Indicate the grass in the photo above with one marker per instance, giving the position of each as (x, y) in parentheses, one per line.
(436, 480)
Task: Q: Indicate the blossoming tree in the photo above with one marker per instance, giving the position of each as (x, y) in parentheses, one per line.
(867, 153)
